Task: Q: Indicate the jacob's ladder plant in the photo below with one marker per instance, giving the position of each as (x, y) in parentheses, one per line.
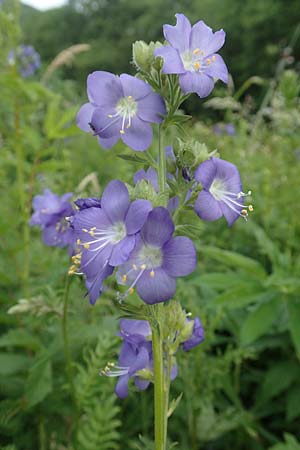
(132, 232)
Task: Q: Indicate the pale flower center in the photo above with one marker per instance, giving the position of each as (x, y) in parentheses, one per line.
(194, 61)
(118, 232)
(126, 109)
(151, 257)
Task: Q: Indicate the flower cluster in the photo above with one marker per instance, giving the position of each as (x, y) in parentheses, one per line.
(132, 232)
(136, 359)
(53, 213)
(135, 238)
(27, 58)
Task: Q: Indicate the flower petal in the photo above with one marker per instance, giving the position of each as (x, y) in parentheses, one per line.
(206, 173)
(196, 82)
(229, 173)
(121, 251)
(138, 136)
(134, 87)
(179, 257)
(94, 286)
(207, 207)
(230, 215)
(104, 126)
(140, 362)
(141, 384)
(115, 201)
(121, 388)
(130, 327)
(127, 355)
(151, 108)
(104, 89)
(108, 143)
(202, 37)
(137, 215)
(84, 117)
(179, 35)
(172, 60)
(159, 288)
(158, 228)
(217, 68)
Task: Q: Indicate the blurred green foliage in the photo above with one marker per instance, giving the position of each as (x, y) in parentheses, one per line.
(241, 388)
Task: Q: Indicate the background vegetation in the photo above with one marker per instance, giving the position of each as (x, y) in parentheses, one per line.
(241, 388)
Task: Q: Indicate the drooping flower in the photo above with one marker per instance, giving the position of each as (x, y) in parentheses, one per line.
(158, 259)
(222, 193)
(106, 235)
(135, 356)
(197, 335)
(120, 107)
(52, 213)
(191, 53)
(27, 58)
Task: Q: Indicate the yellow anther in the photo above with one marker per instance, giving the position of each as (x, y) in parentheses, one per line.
(91, 233)
(86, 245)
(78, 242)
(244, 213)
(250, 207)
(202, 52)
(196, 51)
(143, 266)
(110, 116)
(152, 274)
(122, 131)
(134, 266)
(85, 230)
(128, 126)
(124, 278)
(208, 61)
(131, 291)
(213, 58)
(93, 228)
(197, 65)
(129, 97)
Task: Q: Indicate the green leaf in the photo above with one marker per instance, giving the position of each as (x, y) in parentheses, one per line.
(174, 403)
(11, 363)
(19, 338)
(294, 324)
(259, 322)
(293, 403)
(39, 382)
(133, 158)
(278, 379)
(240, 296)
(235, 260)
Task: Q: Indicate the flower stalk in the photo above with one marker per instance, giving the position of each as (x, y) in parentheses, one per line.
(160, 431)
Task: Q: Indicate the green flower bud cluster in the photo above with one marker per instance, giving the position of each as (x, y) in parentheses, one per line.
(143, 56)
(191, 153)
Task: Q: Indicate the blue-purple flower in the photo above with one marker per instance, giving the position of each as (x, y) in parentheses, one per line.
(158, 259)
(120, 107)
(135, 356)
(106, 235)
(191, 54)
(27, 58)
(197, 335)
(222, 192)
(52, 213)
(89, 202)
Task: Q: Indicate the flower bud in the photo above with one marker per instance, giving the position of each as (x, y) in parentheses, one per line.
(143, 55)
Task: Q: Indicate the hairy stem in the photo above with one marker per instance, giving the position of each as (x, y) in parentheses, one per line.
(159, 392)
(162, 170)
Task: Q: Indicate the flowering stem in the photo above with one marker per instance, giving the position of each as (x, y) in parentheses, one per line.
(68, 360)
(162, 171)
(160, 431)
